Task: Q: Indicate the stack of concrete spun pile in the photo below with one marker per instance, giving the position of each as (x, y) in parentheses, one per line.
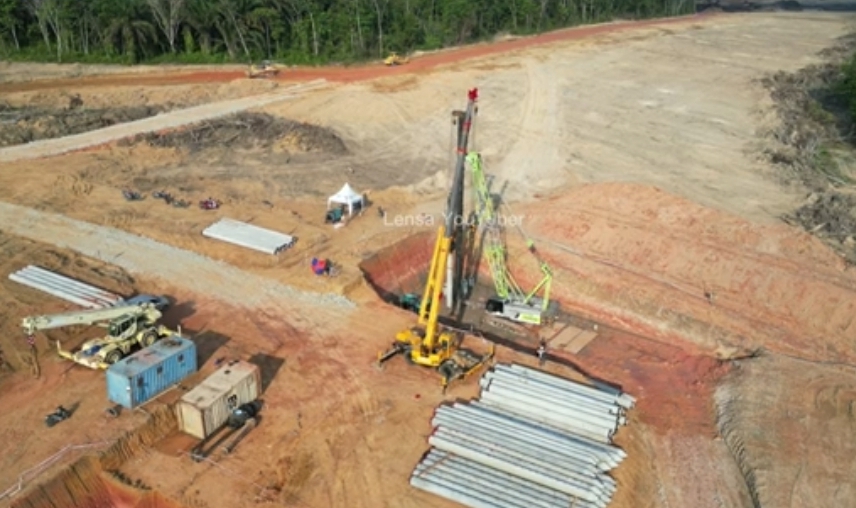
(64, 287)
(249, 236)
(533, 439)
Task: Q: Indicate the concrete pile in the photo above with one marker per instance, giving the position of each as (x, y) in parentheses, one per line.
(66, 288)
(249, 236)
(533, 439)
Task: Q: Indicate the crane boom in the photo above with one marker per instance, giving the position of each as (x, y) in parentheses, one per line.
(33, 324)
(511, 301)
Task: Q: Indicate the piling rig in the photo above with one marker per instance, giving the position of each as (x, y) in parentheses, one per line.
(427, 344)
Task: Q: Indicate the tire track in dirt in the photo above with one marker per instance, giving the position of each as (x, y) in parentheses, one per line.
(537, 149)
(779, 321)
(196, 273)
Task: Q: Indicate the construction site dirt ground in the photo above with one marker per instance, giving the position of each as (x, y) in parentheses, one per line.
(633, 157)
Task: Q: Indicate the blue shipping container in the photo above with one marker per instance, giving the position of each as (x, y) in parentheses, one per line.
(145, 374)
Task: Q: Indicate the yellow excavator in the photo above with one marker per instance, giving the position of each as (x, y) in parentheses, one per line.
(395, 59)
(266, 69)
(427, 344)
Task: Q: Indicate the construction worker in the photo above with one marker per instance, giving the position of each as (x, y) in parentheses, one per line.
(542, 353)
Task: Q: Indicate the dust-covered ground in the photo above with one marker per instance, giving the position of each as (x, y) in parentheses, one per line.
(638, 161)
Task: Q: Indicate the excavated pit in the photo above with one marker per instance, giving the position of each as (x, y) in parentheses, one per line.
(403, 268)
(97, 481)
(400, 268)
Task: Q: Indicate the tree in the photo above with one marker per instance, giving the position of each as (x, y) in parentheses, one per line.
(168, 15)
(10, 20)
(296, 30)
(130, 35)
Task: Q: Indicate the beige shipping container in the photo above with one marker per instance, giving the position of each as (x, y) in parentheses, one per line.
(204, 409)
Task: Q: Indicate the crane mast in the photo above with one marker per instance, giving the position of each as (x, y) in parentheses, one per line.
(428, 344)
(455, 203)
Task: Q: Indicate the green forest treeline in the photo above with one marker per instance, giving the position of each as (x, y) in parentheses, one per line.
(291, 31)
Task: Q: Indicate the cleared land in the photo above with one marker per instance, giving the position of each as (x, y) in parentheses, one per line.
(634, 157)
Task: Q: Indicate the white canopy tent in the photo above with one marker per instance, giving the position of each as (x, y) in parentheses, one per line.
(346, 196)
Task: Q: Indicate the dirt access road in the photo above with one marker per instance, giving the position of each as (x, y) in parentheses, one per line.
(166, 121)
(172, 76)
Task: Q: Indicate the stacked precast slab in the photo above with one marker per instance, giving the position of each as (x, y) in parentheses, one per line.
(533, 439)
(249, 236)
(63, 287)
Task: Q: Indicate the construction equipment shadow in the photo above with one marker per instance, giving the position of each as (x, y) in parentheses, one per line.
(175, 314)
(269, 367)
(208, 343)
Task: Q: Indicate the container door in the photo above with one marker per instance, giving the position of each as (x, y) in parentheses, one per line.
(191, 420)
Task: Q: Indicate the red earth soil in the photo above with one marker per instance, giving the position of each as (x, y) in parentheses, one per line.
(672, 380)
(652, 256)
(350, 74)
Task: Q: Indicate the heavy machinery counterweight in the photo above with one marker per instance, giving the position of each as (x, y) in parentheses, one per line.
(426, 343)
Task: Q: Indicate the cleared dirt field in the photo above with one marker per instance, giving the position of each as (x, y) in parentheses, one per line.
(633, 155)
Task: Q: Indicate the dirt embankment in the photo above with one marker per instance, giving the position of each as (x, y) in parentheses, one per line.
(790, 425)
(246, 131)
(96, 481)
(812, 143)
(638, 257)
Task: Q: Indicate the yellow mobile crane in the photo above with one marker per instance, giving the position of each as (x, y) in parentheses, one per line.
(127, 326)
(426, 343)
(510, 301)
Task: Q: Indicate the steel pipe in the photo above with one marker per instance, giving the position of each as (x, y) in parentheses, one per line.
(541, 379)
(498, 415)
(606, 411)
(581, 413)
(556, 468)
(529, 437)
(462, 466)
(249, 236)
(489, 458)
(555, 411)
